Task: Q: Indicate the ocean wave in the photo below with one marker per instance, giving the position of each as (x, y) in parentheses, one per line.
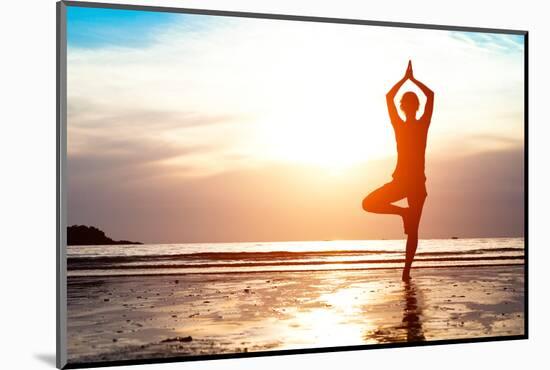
(274, 255)
(101, 266)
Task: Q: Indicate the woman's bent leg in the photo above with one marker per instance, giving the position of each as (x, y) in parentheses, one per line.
(380, 200)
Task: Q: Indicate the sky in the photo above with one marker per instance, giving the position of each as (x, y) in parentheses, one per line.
(194, 128)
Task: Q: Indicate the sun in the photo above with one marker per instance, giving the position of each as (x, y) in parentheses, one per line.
(327, 138)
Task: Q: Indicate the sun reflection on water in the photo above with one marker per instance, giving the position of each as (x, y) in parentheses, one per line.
(376, 311)
(341, 320)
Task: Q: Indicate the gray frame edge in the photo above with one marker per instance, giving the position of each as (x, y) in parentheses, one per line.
(61, 162)
(526, 180)
(290, 17)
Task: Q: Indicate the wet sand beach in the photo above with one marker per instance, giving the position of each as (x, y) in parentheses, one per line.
(137, 317)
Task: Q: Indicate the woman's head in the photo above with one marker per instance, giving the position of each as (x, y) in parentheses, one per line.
(409, 103)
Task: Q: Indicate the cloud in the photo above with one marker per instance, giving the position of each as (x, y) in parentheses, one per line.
(103, 141)
(100, 27)
(114, 155)
(481, 194)
(473, 196)
(492, 41)
(277, 76)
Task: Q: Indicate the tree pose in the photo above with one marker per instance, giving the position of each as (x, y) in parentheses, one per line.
(409, 180)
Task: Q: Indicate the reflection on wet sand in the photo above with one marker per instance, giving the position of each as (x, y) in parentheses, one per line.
(412, 314)
(164, 316)
(409, 327)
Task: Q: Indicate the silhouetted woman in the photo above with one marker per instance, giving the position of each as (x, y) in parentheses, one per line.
(409, 180)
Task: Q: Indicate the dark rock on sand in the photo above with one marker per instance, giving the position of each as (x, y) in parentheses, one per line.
(177, 339)
(89, 235)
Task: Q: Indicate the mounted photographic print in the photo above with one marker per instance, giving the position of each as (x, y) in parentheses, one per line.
(237, 184)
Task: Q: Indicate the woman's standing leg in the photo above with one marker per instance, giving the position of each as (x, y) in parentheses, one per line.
(412, 223)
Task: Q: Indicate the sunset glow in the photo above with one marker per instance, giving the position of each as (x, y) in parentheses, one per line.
(224, 101)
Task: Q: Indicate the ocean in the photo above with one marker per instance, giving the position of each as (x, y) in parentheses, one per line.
(164, 259)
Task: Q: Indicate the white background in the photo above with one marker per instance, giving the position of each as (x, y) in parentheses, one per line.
(27, 206)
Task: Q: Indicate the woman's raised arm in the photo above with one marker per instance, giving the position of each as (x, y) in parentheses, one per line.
(429, 107)
(390, 96)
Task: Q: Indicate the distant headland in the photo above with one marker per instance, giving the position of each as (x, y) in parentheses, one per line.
(89, 235)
